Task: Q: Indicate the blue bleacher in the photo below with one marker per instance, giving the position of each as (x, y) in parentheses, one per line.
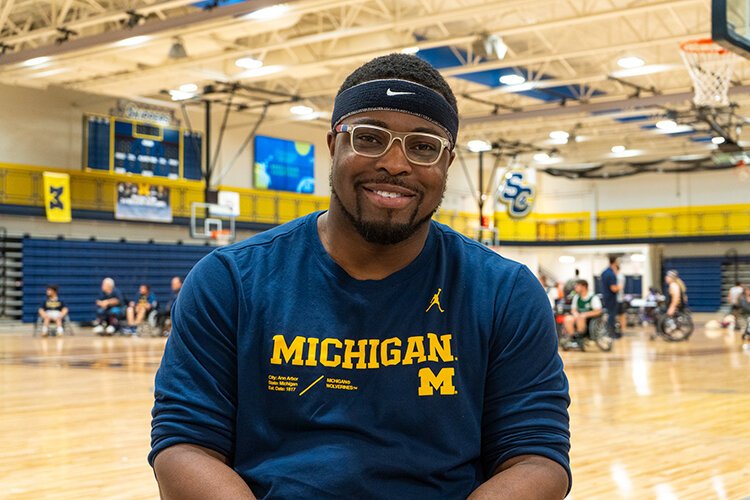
(78, 268)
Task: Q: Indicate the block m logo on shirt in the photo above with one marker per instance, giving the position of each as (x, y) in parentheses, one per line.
(443, 381)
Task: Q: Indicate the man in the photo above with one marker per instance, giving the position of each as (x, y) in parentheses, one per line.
(366, 351)
(585, 306)
(138, 310)
(610, 289)
(109, 308)
(52, 309)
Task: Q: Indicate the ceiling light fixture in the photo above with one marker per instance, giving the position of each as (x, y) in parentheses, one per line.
(559, 135)
(132, 41)
(619, 149)
(248, 63)
(666, 125)
(512, 79)
(301, 110)
(188, 87)
(37, 61)
(478, 145)
(718, 140)
(410, 50)
(630, 62)
(542, 157)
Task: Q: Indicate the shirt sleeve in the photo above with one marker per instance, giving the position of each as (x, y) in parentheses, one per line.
(526, 394)
(596, 303)
(195, 388)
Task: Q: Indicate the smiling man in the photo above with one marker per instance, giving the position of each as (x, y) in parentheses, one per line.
(366, 351)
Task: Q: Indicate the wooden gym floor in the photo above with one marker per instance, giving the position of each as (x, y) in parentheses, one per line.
(650, 420)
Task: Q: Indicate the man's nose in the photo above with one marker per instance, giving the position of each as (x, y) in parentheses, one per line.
(394, 161)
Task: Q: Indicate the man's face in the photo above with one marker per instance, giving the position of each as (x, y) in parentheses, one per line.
(176, 284)
(388, 198)
(50, 292)
(106, 287)
(579, 289)
(143, 290)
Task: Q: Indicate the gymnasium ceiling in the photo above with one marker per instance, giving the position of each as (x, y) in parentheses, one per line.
(567, 50)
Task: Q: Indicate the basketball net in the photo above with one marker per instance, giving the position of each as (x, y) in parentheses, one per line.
(710, 67)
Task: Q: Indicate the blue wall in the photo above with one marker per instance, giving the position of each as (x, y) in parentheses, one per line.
(78, 268)
(702, 276)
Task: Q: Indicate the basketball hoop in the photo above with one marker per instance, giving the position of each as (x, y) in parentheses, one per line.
(221, 237)
(742, 170)
(710, 67)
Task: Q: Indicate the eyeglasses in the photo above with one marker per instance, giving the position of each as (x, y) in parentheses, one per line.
(373, 142)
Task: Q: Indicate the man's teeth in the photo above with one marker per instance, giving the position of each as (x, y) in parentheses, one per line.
(388, 194)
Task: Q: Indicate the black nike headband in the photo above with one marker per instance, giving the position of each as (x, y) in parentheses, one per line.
(397, 95)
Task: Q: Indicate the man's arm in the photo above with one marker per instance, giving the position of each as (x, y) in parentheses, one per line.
(525, 477)
(188, 471)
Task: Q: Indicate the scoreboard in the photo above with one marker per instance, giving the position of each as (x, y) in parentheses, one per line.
(124, 145)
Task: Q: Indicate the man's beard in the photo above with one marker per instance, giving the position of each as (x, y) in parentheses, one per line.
(385, 232)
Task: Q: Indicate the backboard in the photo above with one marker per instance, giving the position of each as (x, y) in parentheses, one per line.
(207, 220)
(730, 25)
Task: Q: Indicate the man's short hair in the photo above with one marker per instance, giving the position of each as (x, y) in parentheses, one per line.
(672, 273)
(109, 281)
(613, 259)
(402, 67)
(583, 283)
(52, 287)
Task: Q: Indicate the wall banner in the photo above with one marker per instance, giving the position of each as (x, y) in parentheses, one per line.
(143, 202)
(57, 196)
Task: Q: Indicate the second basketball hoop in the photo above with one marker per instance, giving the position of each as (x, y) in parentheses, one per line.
(710, 67)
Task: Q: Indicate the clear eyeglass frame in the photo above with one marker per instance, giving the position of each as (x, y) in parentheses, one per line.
(392, 136)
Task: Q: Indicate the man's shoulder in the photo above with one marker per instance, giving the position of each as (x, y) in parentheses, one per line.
(290, 233)
(457, 243)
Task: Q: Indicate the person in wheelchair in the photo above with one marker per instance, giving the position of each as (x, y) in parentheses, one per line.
(52, 309)
(109, 308)
(139, 310)
(676, 297)
(585, 307)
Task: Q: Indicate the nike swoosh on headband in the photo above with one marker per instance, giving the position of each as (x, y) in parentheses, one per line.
(390, 92)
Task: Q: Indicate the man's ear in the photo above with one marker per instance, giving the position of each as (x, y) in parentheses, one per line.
(331, 139)
(451, 158)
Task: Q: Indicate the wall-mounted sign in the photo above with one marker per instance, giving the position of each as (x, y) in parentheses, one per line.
(517, 193)
(144, 112)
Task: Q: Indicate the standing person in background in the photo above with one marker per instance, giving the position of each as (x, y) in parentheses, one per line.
(609, 294)
(356, 352)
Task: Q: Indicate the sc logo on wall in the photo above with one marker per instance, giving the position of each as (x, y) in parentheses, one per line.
(517, 193)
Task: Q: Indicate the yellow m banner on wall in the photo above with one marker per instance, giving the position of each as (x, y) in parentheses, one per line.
(57, 196)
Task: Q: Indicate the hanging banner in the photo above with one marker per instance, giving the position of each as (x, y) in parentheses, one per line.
(143, 202)
(517, 192)
(57, 196)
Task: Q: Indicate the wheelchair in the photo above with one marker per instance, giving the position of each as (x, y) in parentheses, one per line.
(67, 327)
(149, 327)
(675, 328)
(597, 332)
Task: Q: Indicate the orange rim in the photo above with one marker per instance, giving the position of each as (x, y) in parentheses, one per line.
(702, 46)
